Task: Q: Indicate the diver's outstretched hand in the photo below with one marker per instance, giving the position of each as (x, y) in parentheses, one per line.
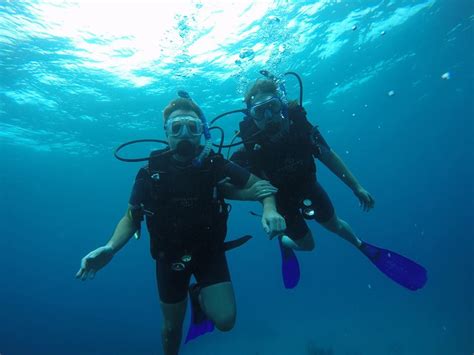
(273, 224)
(367, 202)
(94, 261)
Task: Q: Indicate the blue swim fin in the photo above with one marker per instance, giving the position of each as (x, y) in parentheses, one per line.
(200, 324)
(397, 267)
(290, 267)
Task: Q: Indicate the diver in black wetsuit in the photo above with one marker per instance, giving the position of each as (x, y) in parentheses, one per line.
(284, 154)
(280, 145)
(181, 194)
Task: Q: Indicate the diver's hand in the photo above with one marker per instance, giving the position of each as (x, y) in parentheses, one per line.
(261, 189)
(273, 224)
(367, 202)
(94, 261)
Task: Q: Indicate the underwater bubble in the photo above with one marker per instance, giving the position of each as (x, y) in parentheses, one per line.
(366, 105)
(347, 152)
(369, 286)
(273, 19)
(446, 76)
(353, 115)
(247, 53)
(382, 33)
(336, 84)
(354, 27)
(391, 93)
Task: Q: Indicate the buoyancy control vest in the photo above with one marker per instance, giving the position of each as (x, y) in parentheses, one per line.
(184, 210)
(289, 161)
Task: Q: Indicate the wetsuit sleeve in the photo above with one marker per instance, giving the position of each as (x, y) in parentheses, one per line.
(237, 174)
(139, 193)
(298, 114)
(242, 158)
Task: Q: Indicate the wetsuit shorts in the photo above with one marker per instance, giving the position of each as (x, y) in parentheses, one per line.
(208, 267)
(296, 227)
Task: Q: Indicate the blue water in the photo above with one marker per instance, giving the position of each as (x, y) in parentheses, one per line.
(390, 85)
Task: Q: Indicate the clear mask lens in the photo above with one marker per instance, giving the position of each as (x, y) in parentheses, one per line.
(177, 126)
(266, 109)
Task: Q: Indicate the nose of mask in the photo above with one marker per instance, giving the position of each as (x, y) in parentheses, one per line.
(268, 114)
(185, 133)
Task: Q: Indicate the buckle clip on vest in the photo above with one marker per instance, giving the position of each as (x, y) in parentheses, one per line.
(181, 265)
(307, 210)
(137, 214)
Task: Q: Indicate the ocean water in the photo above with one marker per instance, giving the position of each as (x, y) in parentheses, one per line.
(389, 83)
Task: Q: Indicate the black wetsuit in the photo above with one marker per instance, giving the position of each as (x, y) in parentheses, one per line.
(185, 217)
(289, 165)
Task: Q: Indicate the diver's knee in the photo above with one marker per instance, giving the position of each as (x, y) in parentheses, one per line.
(225, 322)
(335, 224)
(340, 225)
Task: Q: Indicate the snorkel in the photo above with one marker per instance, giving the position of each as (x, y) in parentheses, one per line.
(197, 161)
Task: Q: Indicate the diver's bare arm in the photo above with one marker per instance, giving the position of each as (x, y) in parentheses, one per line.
(248, 193)
(232, 192)
(334, 163)
(125, 229)
(255, 189)
(269, 204)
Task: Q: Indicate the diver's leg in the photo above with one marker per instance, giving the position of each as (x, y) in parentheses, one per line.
(327, 217)
(218, 302)
(297, 234)
(342, 229)
(306, 243)
(172, 288)
(173, 317)
(216, 295)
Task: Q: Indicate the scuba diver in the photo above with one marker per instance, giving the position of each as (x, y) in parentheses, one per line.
(280, 145)
(180, 193)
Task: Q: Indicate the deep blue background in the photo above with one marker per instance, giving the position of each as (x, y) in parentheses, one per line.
(413, 151)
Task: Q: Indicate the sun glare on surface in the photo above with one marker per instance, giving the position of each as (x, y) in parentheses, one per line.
(126, 36)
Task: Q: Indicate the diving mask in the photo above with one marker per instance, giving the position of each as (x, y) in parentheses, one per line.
(184, 126)
(266, 109)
